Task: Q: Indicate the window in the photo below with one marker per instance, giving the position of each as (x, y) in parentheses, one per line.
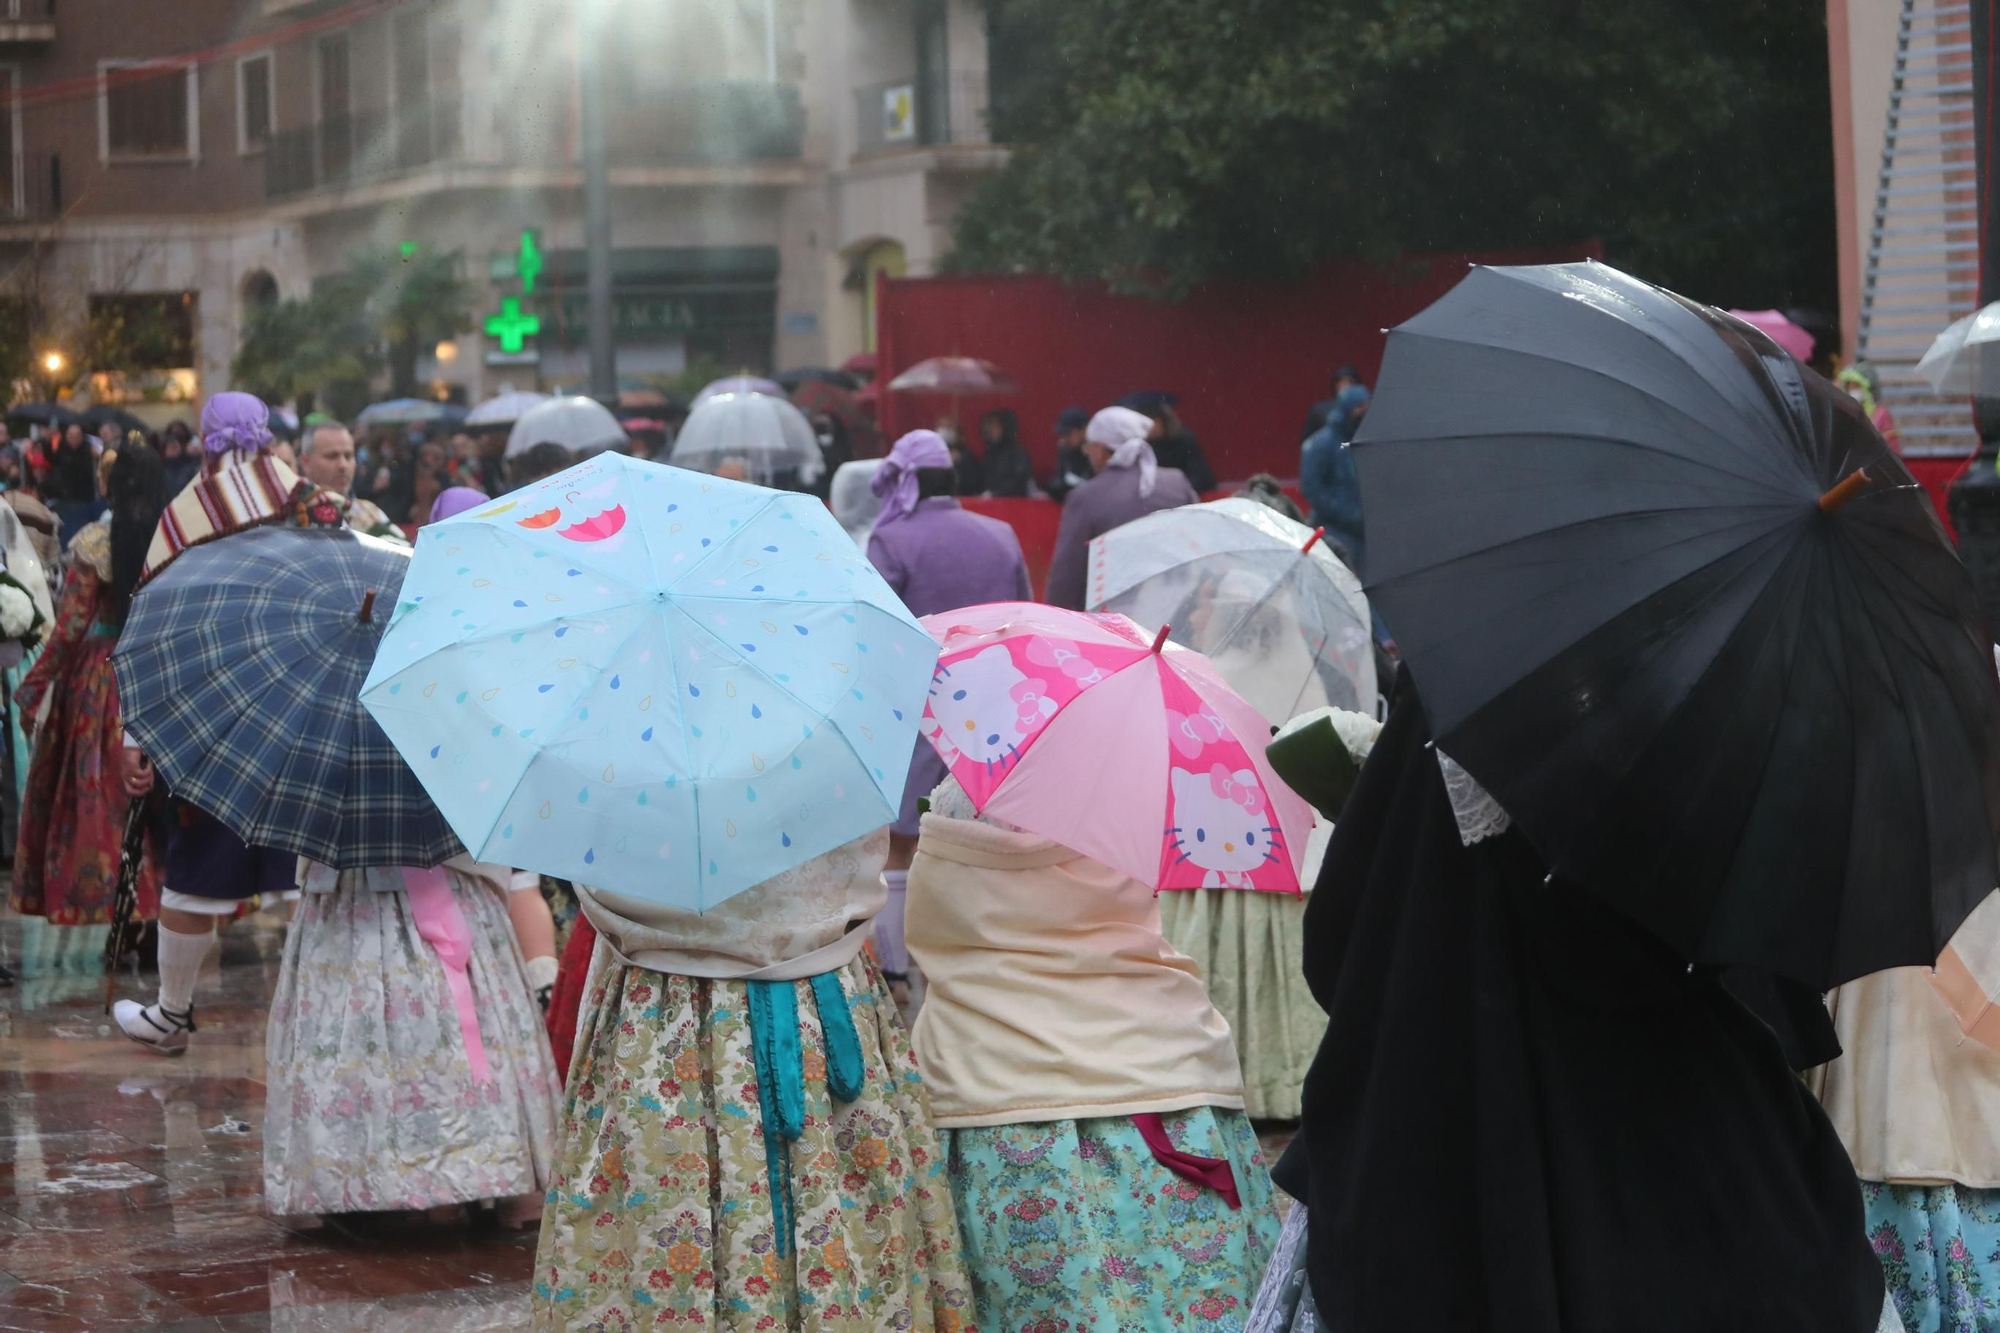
(12, 193)
(146, 109)
(256, 110)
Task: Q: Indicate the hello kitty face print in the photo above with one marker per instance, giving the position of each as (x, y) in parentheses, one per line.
(1221, 832)
(989, 704)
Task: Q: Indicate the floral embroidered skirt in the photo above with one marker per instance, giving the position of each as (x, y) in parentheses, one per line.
(371, 1101)
(1075, 1225)
(1251, 951)
(1940, 1252)
(661, 1212)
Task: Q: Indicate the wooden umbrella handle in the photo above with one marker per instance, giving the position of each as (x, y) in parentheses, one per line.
(367, 605)
(1848, 487)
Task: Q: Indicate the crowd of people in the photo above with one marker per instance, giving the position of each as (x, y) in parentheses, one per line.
(954, 1074)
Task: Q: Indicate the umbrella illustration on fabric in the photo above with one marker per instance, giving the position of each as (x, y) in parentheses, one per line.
(652, 681)
(1261, 596)
(238, 670)
(1134, 751)
(1669, 597)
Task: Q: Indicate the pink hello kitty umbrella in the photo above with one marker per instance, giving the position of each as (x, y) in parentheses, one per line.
(1131, 750)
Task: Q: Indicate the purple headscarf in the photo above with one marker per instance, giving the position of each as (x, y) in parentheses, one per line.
(896, 480)
(235, 422)
(455, 500)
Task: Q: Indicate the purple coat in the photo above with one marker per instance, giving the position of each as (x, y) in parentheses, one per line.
(1108, 500)
(938, 558)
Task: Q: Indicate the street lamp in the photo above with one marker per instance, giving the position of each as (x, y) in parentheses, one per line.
(53, 362)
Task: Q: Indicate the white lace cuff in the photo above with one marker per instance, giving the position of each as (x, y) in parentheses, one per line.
(1479, 816)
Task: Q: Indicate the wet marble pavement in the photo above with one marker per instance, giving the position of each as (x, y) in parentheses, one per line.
(131, 1185)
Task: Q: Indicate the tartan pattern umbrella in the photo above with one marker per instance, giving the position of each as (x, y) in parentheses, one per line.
(239, 671)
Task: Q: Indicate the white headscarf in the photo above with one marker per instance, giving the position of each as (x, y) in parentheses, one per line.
(1124, 432)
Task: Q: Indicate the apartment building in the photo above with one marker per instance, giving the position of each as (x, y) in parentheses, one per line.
(188, 159)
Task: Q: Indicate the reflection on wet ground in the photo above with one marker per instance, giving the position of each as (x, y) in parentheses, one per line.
(130, 1185)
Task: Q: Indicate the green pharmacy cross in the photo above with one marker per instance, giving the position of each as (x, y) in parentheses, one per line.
(511, 326)
(529, 264)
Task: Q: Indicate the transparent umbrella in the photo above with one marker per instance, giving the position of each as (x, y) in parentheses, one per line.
(505, 408)
(740, 384)
(580, 425)
(1275, 611)
(1965, 358)
(766, 436)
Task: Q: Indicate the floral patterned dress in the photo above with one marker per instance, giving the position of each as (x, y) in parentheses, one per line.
(371, 1100)
(662, 1215)
(73, 811)
(1940, 1252)
(1074, 1225)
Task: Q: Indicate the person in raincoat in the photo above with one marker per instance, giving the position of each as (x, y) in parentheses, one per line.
(1327, 477)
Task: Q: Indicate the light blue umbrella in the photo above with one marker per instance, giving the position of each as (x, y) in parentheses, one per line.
(652, 681)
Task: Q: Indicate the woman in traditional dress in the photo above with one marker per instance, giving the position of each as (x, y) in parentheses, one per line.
(406, 1065)
(1104, 1172)
(745, 1141)
(1917, 1102)
(73, 815)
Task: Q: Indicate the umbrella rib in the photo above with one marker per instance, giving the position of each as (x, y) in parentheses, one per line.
(1676, 409)
(1611, 440)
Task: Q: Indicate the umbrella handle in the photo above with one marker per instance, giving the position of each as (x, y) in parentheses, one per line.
(1849, 486)
(1160, 639)
(1313, 540)
(367, 605)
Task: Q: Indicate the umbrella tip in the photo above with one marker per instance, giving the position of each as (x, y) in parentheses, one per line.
(367, 605)
(1313, 540)
(1849, 486)
(1160, 639)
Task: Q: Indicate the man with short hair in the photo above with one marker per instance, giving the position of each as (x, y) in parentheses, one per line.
(1072, 463)
(326, 458)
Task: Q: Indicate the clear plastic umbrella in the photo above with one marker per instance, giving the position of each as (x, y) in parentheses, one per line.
(740, 384)
(1965, 358)
(504, 408)
(1282, 619)
(767, 436)
(851, 496)
(580, 425)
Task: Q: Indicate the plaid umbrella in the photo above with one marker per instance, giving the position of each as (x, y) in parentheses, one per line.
(239, 670)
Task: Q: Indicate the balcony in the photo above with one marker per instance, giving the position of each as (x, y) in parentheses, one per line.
(704, 125)
(27, 22)
(905, 114)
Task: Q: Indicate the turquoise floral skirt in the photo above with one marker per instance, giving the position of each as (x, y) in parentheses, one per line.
(1073, 1225)
(1940, 1252)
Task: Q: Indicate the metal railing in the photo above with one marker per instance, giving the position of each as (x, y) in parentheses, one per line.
(701, 124)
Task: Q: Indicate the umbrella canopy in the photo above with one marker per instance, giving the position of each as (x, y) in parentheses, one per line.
(644, 398)
(738, 384)
(1716, 675)
(1964, 358)
(1270, 606)
(504, 409)
(284, 423)
(239, 669)
(798, 375)
(955, 374)
(44, 414)
(581, 425)
(1780, 329)
(406, 412)
(652, 681)
(768, 434)
(103, 412)
(864, 438)
(1088, 730)
(861, 365)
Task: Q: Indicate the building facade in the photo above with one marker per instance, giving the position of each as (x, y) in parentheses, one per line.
(186, 161)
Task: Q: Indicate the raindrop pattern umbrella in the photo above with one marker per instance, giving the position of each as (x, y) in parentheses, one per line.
(580, 425)
(1261, 596)
(651, 681)
(1670, 598)
(238, 672)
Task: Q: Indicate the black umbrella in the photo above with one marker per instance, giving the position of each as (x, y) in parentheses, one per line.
(103, 412)
(798, 375)
(1670, 598)
(44, 414)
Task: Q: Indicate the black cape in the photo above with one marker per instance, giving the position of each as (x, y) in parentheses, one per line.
(1529, 1117)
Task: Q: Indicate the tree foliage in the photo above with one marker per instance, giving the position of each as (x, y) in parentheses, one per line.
(1162, 141)
(379, 313)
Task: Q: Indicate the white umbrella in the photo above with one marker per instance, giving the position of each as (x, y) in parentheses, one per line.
(580, 425)
(504, 408)
(1965, 358)
(851, 496)
(740, 384)
(768, 434)
(1274, 610)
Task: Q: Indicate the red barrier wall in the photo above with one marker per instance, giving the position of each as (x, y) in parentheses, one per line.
(1247, 359)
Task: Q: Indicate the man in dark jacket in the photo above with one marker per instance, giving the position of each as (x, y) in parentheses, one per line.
(1072, 463)
(1173, 443)
(1344, 378)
